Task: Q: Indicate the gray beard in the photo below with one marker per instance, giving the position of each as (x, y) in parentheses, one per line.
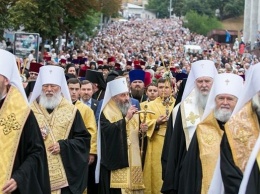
(256, 104)
(201, 99)
(50, 102)
(222, 115)
(123, 107)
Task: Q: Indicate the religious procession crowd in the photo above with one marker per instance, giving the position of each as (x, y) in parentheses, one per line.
(132, 111)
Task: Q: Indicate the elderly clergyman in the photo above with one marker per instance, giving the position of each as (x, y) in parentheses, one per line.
(23, 161)
(201, 159)
(66, 138)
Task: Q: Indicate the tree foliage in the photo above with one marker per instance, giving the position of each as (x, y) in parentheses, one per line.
(52, 18)
(227, 8)
(159, 7)
(201, 24)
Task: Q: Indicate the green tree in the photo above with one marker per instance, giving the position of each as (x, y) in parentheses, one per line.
(4, 15)
(201, 7)
(51, 18)
(227, 8)
(201, 24)
(178, 7)
(159, 7)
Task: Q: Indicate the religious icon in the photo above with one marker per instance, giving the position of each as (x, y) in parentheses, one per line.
(45, 131)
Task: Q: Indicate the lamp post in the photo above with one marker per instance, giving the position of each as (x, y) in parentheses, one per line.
(170, 8)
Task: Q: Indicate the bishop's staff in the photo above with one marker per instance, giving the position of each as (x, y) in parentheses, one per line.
(144, 112)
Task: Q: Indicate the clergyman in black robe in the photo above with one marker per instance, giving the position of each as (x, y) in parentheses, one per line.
(191, 168)
(30, 169)
(232, 175)
(114, 155)
(74, 153)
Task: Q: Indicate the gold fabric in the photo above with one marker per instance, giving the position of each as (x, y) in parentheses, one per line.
(58, 125)
(242, 131)
(90, 123)
(152, 166)
(209, 136)
(142, 104)
(129, 179)
(13, 116)
(258, 159)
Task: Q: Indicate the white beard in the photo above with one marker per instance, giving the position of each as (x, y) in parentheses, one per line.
(222, 115)
(201, 99)
(256, 104)
(50, 102)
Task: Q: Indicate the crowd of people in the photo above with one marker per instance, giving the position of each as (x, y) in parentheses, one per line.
(132, 111)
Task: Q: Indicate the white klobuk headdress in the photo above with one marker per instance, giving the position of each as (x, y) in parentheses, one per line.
(202, 68)
(50, 74)
(9, 69)
(225, 83)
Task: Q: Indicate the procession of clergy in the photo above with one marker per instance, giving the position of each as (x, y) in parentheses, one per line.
(74, 136)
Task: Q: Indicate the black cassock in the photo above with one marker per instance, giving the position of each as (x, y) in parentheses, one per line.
(173, 161)
(191, 170)
(29, 88)
(30, 169)
(114, 154)
(232, 176)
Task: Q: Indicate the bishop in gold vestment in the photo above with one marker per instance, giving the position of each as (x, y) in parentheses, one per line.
(120, 167)
(23, 161)
(65, 136)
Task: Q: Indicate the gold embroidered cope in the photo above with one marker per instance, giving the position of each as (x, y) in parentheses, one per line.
(13, 116)
(58, 123)
(130, 178)
(242, 131)
(209, 136)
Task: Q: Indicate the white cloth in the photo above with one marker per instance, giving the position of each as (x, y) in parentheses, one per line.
(9, 69)
(202, 68)
(50, 75)
(251, 87)
(224, 83)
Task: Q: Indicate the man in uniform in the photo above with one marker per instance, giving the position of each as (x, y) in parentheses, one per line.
(187, 116)
(65, 136)
(119, 161)
(24, 167)
(201, 159)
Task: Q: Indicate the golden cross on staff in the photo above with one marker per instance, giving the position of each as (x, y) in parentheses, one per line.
(144, 112)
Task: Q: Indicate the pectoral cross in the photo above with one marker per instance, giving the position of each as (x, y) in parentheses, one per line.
(192, 117)
(167, 103)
